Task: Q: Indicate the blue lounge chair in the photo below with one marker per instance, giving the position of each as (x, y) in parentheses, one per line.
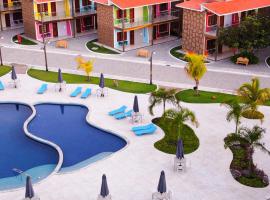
(123, 115)
(117, 111)
(139, 128)
(42, 88)
(1, 86)
(146, 131)
(86, 93)
(76, 92)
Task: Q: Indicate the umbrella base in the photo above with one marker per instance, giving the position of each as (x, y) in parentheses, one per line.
(179, 165)
(109, 197)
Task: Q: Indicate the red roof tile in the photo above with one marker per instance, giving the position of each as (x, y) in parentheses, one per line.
(46, 1)
(191, 4)
(235, 6)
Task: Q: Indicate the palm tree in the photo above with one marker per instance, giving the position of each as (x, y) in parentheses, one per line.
(250, 137)
(235, 112)
(179, 117)
(252, 95)
(162, 96)
(195, 68)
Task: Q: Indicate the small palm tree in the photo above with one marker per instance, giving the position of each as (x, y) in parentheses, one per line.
(87, 66)
(195, 68)
(162, 96)
(252, 95)
(235, 112)
(179, 117)
(250, 137)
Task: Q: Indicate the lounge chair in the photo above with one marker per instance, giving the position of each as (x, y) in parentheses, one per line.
(146, 131)
(76, 92)
(86, 93)
(42, 88)
(123, 115)
(117, 111)
(1, 86)
(139, 128)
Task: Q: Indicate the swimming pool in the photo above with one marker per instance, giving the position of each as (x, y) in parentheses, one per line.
(20, 155)
(66, 126)
(62, 124)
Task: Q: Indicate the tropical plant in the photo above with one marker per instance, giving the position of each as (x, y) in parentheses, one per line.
(195, 68)
(179, 117)
(87, 66)
(162, 96)
(252, 95)
(235, 110)
(250, 138)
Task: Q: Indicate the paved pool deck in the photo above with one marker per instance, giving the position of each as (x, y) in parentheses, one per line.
(133, 172)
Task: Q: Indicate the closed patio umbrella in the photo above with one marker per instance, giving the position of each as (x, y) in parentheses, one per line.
(136, 104)
(13, 74)
(101, 81)
(180, 149)
(29, 191)
(162, 183)
(60, 79)
(104, 191)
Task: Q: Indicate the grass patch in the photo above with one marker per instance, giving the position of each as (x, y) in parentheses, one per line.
(4, 70)
(24, 41)
(99, 49)
(181, 56)
(204, 97)
(125, 86)
(168, 144)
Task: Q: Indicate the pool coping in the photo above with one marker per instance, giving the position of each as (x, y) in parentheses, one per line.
(56, 171)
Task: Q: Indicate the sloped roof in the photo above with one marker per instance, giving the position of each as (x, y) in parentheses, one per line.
(46, 1)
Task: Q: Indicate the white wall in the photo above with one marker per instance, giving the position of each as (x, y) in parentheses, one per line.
(227, 20)
(60, 9)
(138, 13)
(62, 28)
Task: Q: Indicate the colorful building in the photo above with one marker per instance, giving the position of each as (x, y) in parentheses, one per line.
(11, 14)
(58, 18)
(126, 25)
(203, 18)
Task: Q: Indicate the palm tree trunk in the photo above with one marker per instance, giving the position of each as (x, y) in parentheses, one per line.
(197, 86)
(236, 127)
(164, 106)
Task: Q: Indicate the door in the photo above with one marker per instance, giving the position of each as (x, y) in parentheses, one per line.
(131, 37)
(5, 2)
(53, 7)
(131, 14)
(154, 32)
(78, 25)
(55, 29)
(7, 19)
(221, 21)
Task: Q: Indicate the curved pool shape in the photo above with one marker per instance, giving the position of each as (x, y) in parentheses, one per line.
(66, 126)
(19, 153)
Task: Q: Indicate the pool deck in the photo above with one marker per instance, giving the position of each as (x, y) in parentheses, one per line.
(133, 172)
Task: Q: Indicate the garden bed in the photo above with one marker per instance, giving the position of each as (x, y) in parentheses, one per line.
(168, 144)
(240, 166)
(92, 46)
(125, 86)
(25, 41)
(176, 52)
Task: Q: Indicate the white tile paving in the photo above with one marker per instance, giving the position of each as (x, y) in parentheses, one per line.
(133, 172)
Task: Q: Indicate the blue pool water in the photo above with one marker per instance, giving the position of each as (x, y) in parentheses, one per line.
(20, 152)
(66, 126)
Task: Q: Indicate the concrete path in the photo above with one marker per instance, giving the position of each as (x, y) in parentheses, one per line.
(133, 172)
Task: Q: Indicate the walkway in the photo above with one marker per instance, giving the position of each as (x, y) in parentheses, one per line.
(133, 172)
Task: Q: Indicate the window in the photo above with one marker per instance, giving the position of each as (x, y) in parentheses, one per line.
(86, 2)
(17, 16)
(46, 28)
(212, 20)
(43, 7)
(119, 14)
(210, 46)
(235, 18)
(120, 36)
(163, 7)
(163, 28)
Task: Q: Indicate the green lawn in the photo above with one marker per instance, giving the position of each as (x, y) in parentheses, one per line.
(174, 52)
(125, 86)
(24, 41)
(205, 97)
(168, 144)
(4, 70)
(99, 49)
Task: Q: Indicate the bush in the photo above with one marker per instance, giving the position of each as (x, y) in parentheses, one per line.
(252, 58)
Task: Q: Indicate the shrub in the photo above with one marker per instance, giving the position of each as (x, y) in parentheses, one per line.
(252, 58)
(253, 114)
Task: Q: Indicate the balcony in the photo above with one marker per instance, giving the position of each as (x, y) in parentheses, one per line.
(211, 31)
(54, 16)
(15, 5)
(141, 22)
(86, 10)
(166, 16)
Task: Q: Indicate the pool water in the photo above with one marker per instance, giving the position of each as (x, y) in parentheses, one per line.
(18, 153)
(66, 126)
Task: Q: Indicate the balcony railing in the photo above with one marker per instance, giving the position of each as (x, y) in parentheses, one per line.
(136, 22)
(211, 30)
(15, 5)
(86, 10)
(54, 16)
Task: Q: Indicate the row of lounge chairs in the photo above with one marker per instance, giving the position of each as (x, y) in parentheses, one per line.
(1, 86)
(120, 113)
(43, 88)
